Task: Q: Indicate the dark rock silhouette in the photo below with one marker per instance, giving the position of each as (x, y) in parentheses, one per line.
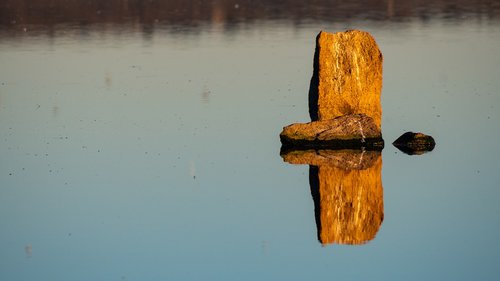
(414, 143)
(314, 84)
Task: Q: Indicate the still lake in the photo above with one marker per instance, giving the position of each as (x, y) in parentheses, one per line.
(136, 154)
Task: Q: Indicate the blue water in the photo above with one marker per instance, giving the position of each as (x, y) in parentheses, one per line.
(132, 157)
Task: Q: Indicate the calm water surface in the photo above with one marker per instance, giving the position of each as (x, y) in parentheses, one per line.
(134, 155)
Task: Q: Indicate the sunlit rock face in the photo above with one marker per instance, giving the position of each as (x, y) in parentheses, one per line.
(344, 94)
(342, 144)
(348, 75)
(352, 130)
(347, 191)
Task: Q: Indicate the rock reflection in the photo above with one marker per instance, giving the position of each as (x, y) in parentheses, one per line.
(191, 15)
(346, 186)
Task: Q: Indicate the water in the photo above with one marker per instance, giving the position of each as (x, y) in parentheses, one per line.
(135, 153)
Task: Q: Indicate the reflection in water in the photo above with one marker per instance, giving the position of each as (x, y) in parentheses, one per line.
(346, 186)
(190, 16)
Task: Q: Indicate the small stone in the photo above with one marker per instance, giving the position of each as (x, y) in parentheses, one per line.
(415, 143)
(348, 131)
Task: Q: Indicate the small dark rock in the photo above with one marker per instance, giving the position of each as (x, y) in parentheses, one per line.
(414, 143)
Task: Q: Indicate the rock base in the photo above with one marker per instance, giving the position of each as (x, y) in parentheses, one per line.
(353, 131)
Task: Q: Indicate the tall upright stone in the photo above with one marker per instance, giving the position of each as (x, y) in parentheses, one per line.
(342, 143)
(347, 76)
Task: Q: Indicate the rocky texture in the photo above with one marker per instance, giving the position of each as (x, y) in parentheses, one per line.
(346, 159)
(351, 204)
(346, 186)
(414, 143)
(345, 109)
(344, 95)
(347, 77)
(348, 131)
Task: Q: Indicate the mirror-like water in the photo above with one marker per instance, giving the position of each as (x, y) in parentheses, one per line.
(137, 149)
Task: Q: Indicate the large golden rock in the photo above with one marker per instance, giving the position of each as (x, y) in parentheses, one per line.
(345, 109)
(348, 75)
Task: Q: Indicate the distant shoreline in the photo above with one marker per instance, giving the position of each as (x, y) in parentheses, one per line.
(15, 14)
